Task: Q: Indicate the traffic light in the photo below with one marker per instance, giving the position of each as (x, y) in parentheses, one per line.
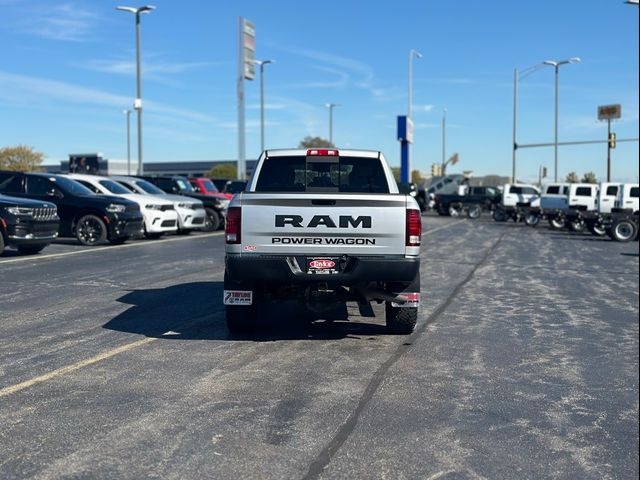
(434, 170)
(544, 172)
(612, 140)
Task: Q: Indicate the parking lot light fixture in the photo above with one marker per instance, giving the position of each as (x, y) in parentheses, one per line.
(556, 64)
(138, 102)
(261, 64)
(331, 106)
(128, 115)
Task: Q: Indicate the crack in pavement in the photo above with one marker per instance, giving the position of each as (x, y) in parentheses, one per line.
(322, 460)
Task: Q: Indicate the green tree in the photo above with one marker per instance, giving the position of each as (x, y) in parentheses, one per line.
(315, 142)
(572, 177)
(416, 176)
(589, 177)
(20, 158)
(223, 170)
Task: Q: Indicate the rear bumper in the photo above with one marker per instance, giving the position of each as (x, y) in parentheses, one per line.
(290, 269)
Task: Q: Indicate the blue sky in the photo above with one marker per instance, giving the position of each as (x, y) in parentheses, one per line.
(67, 72)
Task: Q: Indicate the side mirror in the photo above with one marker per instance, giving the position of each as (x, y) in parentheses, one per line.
(55, 193)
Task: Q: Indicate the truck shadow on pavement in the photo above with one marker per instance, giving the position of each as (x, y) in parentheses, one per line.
(194, 311)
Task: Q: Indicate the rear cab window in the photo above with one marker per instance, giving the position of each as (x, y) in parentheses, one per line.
(553, 190)
(634, 192)
(322, 174)
(583, 192)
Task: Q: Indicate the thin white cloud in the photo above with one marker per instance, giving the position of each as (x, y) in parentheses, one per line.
(267, 106)
(65, 22)
(361, 69)
(424, 108)
(426, 126)
(154, 68)
(341, 81)
(446, 81)
(33, 91)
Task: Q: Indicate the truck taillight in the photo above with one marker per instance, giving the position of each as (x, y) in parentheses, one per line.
(232, 229)
(414, 228)
(322, 153)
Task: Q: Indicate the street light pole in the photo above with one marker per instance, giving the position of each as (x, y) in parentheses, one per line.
(261, 64)
(412, 53)
(556, 65)
(331, 106)
(444, 137)
(128, 115)
(515, 122)
(138, 101)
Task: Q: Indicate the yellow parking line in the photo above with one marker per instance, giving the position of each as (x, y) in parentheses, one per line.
(432, 230)
(76, 366)
(113, 247)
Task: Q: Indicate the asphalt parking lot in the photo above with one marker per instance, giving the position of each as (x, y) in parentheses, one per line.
(115, 363)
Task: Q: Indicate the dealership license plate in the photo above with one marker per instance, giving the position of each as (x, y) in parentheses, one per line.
(322, 266)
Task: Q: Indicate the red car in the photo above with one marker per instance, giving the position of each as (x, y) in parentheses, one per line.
(206, 187)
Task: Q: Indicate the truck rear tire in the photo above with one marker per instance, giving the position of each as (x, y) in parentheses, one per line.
(241, 319)
(474, 211)
(624, 230)
(556, 223)
(499, 215)
(532, 219)
(598, 230)
(400, 321)
(211, 221)
(577, 226)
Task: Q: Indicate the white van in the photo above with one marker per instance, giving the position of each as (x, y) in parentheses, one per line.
(607, 196)
(583, 196)
(514, 194)
(554, 196)
(628, 197)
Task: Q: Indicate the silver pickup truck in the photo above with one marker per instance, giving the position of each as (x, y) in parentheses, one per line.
(323, 227)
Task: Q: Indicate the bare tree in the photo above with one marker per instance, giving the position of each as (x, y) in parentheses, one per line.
(20, 158)
(315, 142)
(572, 177)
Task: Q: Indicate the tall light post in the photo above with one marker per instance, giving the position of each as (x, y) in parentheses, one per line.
(128, 115)
(261, 64)
(138, 101)
(444, 137)
(556, 65)
(331, 106)
(412, 53)
(406, 124)
(517, 76)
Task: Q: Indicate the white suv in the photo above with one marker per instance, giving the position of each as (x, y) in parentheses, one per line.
(159, 214)
(191, 212)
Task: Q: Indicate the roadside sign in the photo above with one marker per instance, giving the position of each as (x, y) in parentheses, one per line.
(405, 129)
(609, 112)
(248, 49)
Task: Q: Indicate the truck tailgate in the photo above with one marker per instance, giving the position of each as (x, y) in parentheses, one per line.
(323, 224)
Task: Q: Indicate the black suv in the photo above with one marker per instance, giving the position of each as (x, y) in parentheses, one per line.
(90, 218)
(28, 225)
(215, 207)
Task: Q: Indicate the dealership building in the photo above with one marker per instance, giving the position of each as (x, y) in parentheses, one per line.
(96, 164)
